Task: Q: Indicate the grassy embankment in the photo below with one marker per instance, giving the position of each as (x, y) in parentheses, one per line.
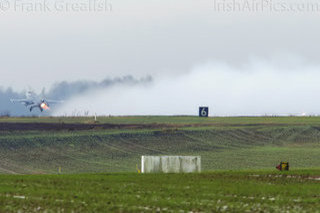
(224, 143)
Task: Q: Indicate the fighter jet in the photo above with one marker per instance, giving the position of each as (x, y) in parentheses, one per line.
(32, 101)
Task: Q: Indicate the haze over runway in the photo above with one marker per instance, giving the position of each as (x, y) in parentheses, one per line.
(247, 60)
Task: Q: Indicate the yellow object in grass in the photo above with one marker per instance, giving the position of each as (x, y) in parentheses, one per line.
(138, 170)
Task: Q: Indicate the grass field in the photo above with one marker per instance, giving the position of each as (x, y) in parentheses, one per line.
(98, 164)
(315, 120)
(245, 191)
(224, 143)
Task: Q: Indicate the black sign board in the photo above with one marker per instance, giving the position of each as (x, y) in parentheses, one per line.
(203, 111)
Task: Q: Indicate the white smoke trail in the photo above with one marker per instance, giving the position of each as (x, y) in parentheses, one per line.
(258, 88)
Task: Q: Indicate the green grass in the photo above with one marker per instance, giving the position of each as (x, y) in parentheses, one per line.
(259, 147)
(99, 166)
(225, 191)
(226, 143)
(172, 120)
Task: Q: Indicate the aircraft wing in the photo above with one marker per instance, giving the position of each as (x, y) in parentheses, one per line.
(22, 101)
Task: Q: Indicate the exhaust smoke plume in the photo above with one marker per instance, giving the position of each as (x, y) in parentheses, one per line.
(283, 87)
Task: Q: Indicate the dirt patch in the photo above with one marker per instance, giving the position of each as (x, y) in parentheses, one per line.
(74, 126)
(83, 126)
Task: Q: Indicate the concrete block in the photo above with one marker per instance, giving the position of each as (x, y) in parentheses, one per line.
(170, 164)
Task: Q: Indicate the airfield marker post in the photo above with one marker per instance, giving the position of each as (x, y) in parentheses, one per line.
(203, 111)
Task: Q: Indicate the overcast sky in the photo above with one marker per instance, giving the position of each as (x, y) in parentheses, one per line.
(162, 39)
(145, 37)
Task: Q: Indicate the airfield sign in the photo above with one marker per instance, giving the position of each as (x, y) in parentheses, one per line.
(203, 111)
